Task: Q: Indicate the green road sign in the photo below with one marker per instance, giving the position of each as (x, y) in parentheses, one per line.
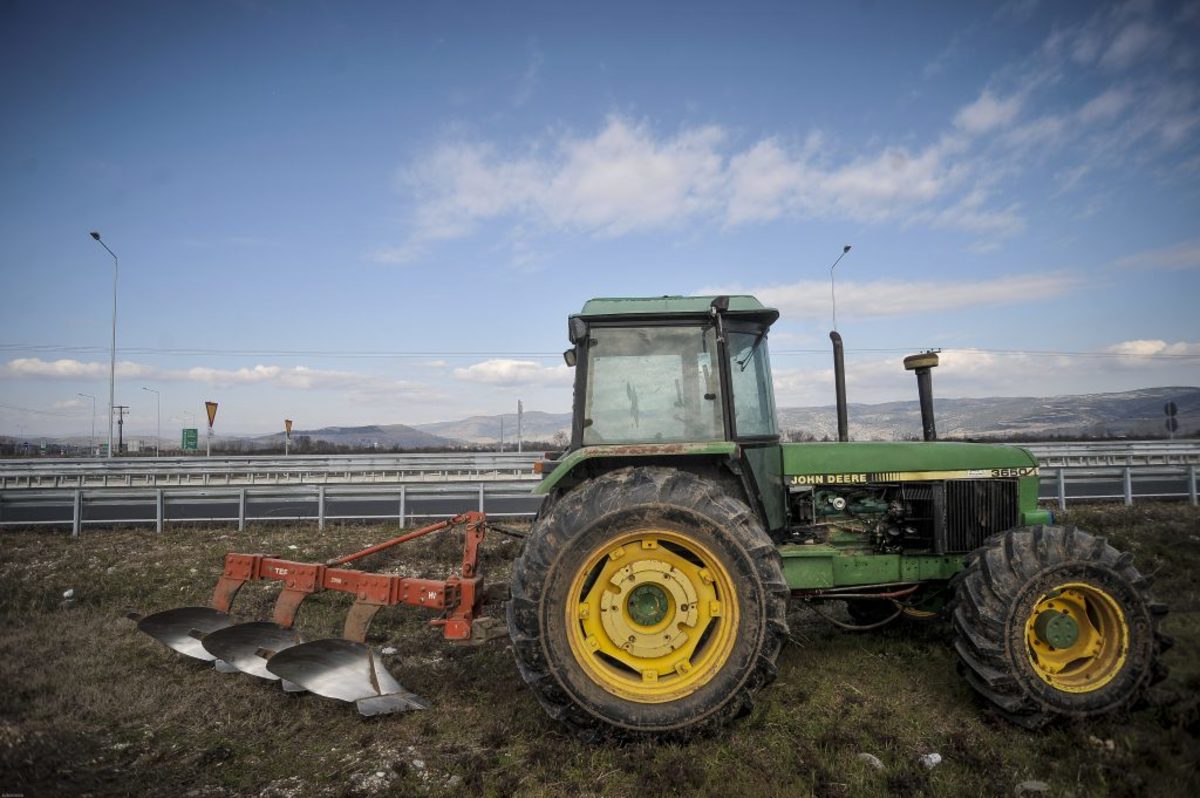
(191, 439)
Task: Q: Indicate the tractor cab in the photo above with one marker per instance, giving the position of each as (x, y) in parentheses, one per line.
(672, 370)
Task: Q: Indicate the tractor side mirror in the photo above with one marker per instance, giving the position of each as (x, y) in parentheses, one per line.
(569, 357)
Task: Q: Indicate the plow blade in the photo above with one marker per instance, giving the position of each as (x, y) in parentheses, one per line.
(244, 645)
(347, 671)
(182, 628)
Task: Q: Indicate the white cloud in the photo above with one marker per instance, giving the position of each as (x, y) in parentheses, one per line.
(514, 373)
(1044, 131)
(1067, 179)
(810, 298)
(1106, 106)
(970, 213)
(967, 372)
(529, 78)
(988, 113)
(73, 404)
(1184, 255)
(1131, 43)
(67, 369)
(1143, 351)
(626, 178)
(295, 378)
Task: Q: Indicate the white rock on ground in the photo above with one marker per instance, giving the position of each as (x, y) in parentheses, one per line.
(871, 760)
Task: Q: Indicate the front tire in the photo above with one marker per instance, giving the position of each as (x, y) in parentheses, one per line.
(1052, 622)
(647, 600)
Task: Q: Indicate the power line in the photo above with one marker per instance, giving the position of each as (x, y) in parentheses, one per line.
(1003, 352)
(340, 353)
(204, 352)
(38, 412)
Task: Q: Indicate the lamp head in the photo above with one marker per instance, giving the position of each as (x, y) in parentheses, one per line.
(845, 249)
(96, 235)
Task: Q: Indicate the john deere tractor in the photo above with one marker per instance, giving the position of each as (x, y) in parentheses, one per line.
(652, 594)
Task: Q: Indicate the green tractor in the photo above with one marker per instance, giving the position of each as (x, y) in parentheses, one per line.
(652, 594)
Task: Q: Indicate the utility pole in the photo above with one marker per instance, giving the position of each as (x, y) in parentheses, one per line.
(520, 412)
(120, 410)
(92, 441)
(158, 419)
(501, 433)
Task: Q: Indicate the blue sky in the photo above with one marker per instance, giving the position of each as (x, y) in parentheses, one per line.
(348, 213)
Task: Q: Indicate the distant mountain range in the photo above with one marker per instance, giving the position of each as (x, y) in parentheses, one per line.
(1127, 414)
(1131, 414)
(385, 436)
(535, 426)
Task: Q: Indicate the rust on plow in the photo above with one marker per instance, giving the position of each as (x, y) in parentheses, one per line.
(345, 668)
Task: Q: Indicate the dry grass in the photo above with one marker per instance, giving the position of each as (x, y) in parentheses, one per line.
(90, 706)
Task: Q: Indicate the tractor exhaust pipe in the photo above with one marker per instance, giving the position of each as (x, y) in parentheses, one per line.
(924, 364)
(839, 384)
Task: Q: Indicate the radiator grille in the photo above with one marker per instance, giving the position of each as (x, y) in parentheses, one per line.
(976, 509)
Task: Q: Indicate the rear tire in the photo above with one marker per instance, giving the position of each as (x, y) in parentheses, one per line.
(647, 600)
(1051, 622)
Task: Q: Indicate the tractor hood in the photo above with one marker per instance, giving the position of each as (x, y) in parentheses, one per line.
(851, 463)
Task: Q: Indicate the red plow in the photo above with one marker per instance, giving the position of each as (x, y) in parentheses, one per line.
(344, 668)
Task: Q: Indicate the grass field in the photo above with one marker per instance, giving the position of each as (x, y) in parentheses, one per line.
(88, 706)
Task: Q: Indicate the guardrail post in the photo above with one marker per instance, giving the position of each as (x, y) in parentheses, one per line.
(77, 520)
(402, 507)
(481, 497)
(1128, 486)
(158, 510)
(321, 508)
(1192, 484)
(1062, 489)
(242, 510)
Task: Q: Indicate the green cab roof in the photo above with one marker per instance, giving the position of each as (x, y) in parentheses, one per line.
(739, 305)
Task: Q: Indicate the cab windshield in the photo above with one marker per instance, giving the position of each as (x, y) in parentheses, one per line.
(652, 385)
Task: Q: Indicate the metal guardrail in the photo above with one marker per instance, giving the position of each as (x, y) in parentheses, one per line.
(320, 503)
(1135, 482)
(1108, 453)
(440, 467)
(250, 470)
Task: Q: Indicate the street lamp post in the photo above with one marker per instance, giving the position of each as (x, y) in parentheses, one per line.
(92, 440)
(157, 418)
(112, 368)
(832, 293)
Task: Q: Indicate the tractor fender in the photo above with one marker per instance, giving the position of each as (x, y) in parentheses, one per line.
(719, 459)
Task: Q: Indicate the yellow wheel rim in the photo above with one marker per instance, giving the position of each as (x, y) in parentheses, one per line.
(652, 616)
(1077, 638)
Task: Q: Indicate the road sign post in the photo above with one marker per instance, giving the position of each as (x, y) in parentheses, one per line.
(287, 435)
(1171, 409)
(211, 407)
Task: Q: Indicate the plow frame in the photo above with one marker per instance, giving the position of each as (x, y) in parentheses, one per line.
(460, 596)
